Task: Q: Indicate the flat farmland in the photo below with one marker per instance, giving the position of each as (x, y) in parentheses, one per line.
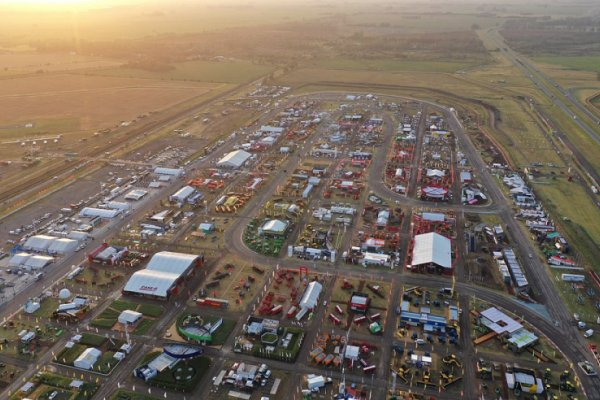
(13, 63)
(394, 65)
(86, 98)
(198, 71)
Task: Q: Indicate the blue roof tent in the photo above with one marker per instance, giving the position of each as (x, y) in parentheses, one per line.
(453, 313)
(195, 198)
(307, 191)
(418, 318)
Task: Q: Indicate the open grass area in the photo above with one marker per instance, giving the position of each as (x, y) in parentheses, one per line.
(199, 71)
(108, 318)
(581, 63)
(218, 338)
(393, 65)
(41, 127)
(580, 216)
(105, 363)
(127, 395)
(183, 377)
(47, 307)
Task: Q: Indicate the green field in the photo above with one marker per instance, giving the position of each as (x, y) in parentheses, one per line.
(127, 395)
(190, 370)
(108, 318)
(393, 65)
(199, 71)
(580, 63)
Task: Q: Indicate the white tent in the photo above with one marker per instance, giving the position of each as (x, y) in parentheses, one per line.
(169, 171)
(151, 283)
(235, 159)
(37, 262)
(161, 274)
(39, 242)
(78, 235)
(87, 359)
(63, 246)
(274, 227)
(167, 261)
(92, 212)
(376, 259)
(18, 259)
(136, 194)
(182, 194)
(118, 205)
(432, 248)
(311, 295)
(435, 173)
(129, 317)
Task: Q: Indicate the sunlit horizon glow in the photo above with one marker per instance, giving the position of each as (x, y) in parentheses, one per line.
(46, 5)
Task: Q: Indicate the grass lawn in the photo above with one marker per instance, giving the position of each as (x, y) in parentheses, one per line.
(89, 339)
(106, 319)
(127, 395)
(200, 71)
(47, 307)
(223, 332)
(143, 326)
(68, 356)
(150, 310)
(122, 305)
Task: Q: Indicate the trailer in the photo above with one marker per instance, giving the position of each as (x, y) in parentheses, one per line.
(276, 309)
(212, 302)
(369, 370)
(359, 320)
(320, 357)
(339, 310)
(334, 319)
(572, 277)
(375, 317)
(291, 312)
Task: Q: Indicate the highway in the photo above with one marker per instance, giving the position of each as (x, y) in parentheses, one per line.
(561, 98)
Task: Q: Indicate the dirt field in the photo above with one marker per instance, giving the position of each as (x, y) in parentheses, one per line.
(86, 97)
